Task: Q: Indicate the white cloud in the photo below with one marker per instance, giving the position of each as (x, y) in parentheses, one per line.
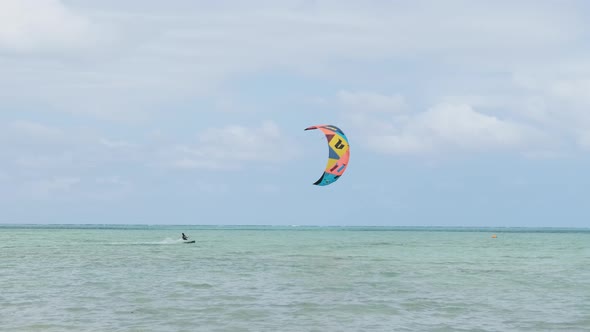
(109, 188)
(365, 101)
(50, 187)
(35, 131)
(277, 34)
(558, 101)
(574, 91)
(169, 53)
(74, 187)
(569, 88)
(111, 180)
(117, 144)
(450, 127)
(35, 149)
(41, 25)
(232, 146)
(44, 161)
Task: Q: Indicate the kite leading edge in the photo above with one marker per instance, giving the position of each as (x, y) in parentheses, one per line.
(339, 154)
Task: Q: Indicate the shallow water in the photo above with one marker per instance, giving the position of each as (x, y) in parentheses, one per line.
(142, 278)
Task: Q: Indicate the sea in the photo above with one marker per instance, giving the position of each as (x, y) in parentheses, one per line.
(293, 278)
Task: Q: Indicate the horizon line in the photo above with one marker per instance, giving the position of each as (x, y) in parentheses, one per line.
(291, 225)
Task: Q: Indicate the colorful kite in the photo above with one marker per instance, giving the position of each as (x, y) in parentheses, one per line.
(338, 156)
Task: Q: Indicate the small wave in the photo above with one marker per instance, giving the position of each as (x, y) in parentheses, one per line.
(188, 284)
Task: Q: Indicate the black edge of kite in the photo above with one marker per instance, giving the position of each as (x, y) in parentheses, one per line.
(320, 179)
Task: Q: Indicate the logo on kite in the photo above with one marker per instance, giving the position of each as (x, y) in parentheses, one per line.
(339, 154)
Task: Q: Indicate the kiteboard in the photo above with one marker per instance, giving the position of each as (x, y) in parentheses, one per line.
(193, 241)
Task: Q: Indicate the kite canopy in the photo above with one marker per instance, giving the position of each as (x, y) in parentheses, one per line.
(339, 153)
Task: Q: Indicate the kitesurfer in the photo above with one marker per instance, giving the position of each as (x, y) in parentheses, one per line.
(184, 237)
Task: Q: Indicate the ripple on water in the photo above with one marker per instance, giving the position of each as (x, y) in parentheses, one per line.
(299, 281)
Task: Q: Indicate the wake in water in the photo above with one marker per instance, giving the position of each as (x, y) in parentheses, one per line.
(166, 241)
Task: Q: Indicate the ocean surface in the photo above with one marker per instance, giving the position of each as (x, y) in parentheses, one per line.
(143, 278)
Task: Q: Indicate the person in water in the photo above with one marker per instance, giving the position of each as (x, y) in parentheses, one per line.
(184, 237)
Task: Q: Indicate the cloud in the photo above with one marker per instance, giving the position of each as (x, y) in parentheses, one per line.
(452, 128)
(117, 144)
(73, 187)
(182, 50)
(573, 90)
(41, 25)
(50, 187)
(111, 180)
(109, 188)
(365, 101)
(558, 101)
(32, 149)
(35, 131)
(45, 162)
(232, 146)
(279, 34)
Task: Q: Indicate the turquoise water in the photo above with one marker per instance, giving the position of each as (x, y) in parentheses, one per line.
(142, 278)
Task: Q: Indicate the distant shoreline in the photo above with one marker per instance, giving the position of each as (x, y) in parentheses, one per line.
(500, 229)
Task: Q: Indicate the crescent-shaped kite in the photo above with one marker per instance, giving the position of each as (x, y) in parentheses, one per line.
(339, 154)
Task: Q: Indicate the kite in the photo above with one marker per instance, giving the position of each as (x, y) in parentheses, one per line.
(339, 153)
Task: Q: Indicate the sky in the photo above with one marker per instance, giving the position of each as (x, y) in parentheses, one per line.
(458, 113)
